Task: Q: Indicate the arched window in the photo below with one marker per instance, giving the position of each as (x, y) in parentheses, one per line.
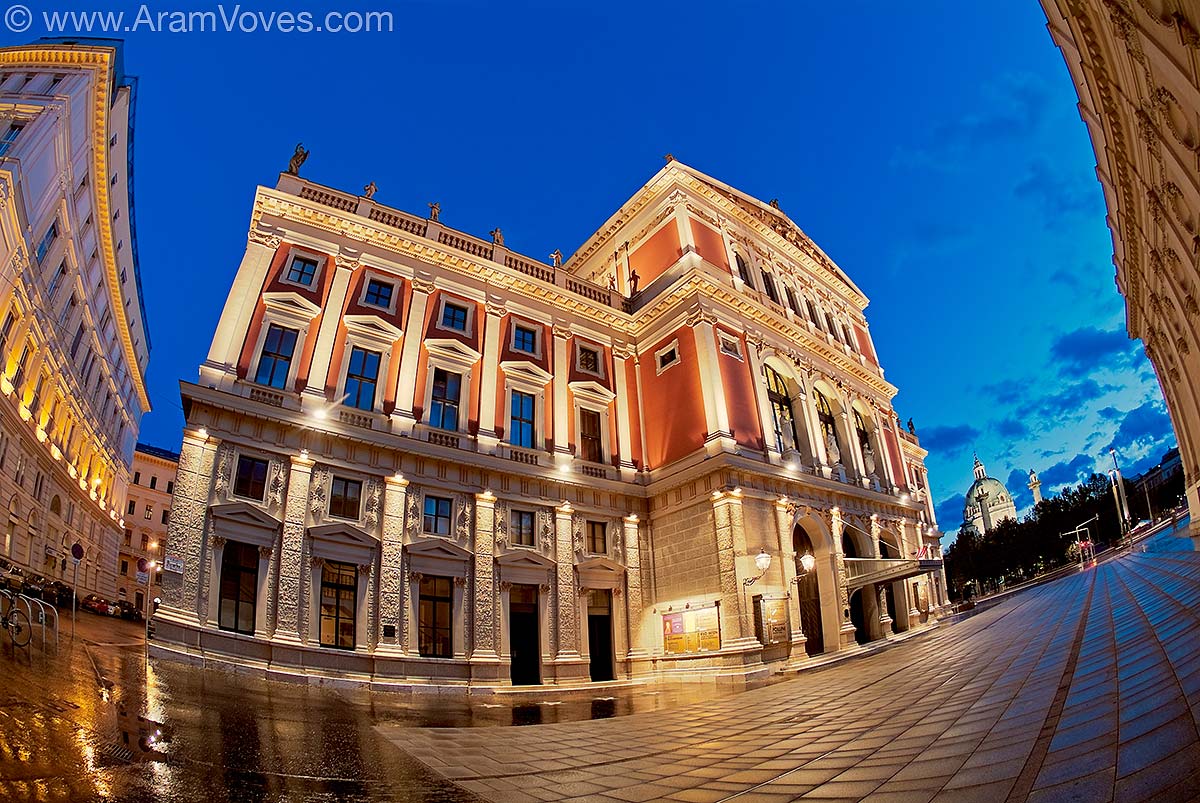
(769, 287)
(860, 427)
(56, 505)
(831, 325)
(743, 268)
(849, 338)
(792, 302)
(828, 427)
(781, 410)
(812, 313)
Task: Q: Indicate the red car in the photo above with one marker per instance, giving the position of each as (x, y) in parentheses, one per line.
(97, 604)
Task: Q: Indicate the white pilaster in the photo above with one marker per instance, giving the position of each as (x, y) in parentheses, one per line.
(624, 431)
(410, 355)
(489, 382)
(318, 371)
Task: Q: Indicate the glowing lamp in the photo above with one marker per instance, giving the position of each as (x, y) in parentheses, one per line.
(807, 562)
(762, 560)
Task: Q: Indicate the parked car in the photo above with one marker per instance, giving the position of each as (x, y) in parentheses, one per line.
(127, 610)
(96, 604)
(57, 593)
(32, 586)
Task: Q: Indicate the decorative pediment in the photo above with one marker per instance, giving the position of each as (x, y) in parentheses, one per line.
(437, 556)
(592, 391)
(599, 564)
(524, 372)
(599, 572)
(373, 329)
(290, 307)
(525, 559)
(241, 521)
(344, 542)
(453, 352)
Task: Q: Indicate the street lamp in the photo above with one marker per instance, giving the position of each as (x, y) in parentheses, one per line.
(807, 562)
(762, 561)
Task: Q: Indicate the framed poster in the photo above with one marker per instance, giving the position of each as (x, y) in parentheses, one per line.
(692, 630)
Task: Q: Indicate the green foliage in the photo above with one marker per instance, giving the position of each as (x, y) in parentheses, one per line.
(1017, 550)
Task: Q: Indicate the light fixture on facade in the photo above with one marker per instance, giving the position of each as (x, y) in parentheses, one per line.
(202, 433)
(807, 562)
(762, 561)
(304, 454)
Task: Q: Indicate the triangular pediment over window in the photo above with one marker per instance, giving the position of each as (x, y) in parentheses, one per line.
(342, 542)
(240, 521)
(373, 329)
(524, 372)
(600, 572)
(525, 559)
(289, 307)
(451, 351)
(438, 556)
(590, 391)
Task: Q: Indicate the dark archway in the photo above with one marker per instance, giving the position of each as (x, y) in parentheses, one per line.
(849, 549)
(808, 592)
(858, 617)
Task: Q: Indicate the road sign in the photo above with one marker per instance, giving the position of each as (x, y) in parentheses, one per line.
(143, 578)
(77, 551)
(143, 565)
(173, 565)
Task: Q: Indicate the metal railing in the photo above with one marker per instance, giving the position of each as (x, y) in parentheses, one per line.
(44, 612)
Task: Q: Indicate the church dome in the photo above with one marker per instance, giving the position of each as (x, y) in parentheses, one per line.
(998, 505)
(996, 493)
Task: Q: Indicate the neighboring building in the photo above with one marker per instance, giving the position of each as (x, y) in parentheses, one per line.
(147, 514)
(415, 455)
(1136, 67)
(988, 502)
(73, 338)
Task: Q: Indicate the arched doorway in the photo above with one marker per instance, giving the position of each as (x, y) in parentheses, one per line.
(858, 617)
(808, 592)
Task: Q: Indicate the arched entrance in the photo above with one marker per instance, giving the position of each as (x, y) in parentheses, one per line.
(808, 592)
(858, 617)
(849, 548)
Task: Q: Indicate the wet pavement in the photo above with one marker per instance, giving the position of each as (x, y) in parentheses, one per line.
(1087, 688)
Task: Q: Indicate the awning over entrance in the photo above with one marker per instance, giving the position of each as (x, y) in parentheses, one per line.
(864, 571)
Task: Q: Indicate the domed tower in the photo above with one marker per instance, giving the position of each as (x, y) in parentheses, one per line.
(988, 502)
(1035, 485)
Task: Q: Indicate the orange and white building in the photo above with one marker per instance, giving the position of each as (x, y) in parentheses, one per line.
(415, 456)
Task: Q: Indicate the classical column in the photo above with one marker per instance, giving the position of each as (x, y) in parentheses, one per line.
(784, 516)
(850, 443)
(624, 430)
(186, 531)
(217, 545)
(410, 355)
(633, 586)
(882, 453)
(484, 640)
(391, 567)
(489, 380)
(411, 619)
(727, 520)
(290, 616)
(885, 621)
(683, 227)
(846, 630)
(251, 275)
(712, 386)
(327, 333)
(565, 595)
(562, 370)
(812, 423)
(875, 532)
(262, 593)
(362, 610)
(459, 635)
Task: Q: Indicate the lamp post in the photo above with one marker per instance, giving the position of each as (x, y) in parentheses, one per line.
(1119, 493)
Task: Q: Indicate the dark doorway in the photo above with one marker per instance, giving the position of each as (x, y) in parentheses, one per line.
(600, 641)
(858, 617)
(525, 649)
(808, 592)
(140, 600)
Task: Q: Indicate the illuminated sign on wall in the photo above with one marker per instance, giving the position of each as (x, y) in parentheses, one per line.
(694, 630)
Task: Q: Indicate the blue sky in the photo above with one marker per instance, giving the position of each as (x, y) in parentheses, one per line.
(933, 149)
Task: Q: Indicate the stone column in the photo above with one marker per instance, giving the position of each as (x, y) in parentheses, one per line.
(410, 355)
(217, 546)
(846, 630)
(885, 621)
(239, 308)
(712, 385)
(311, 607)
(459, 616)
(362, 608)
(766, 416)
(727, 520)
(783, 522)
(391, 567)
(812, 424)
(489, 381)
(633, 585)
(186, 531)
(565, 595)
(624, 429)
(291, 613)
(262, 594)
(850, 444)
(327, 332)
(410, 620)
(875, 533)
(484, 638)
(561, 368)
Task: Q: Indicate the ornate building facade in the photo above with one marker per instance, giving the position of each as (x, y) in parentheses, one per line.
(988, 502)
(147, 513)
(413, 455)
(1136, 66)
(73, 336)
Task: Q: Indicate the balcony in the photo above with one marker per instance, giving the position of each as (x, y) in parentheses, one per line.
(864, 571)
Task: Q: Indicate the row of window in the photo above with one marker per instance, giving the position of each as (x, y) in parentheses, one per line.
(771, 290)
(784, 417)
(131, 508)
(137, 480)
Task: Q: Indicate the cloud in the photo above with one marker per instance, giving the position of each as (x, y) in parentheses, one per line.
(1084, 350)
(1057, 193)
(1011, 429)
(1005, 392)
(948, 440)
(949, 511)
(1142, 428)
(1018, 485)
(1066, 278)
(1079, 468)
(1068, 403)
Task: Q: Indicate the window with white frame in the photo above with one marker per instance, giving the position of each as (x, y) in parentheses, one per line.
(522, 421)
(729, 345)
(47, 240)
(345, 496)
(525, 339)
(275, 360)
(378, 293)
(666, 356)
(591, 441)
(454, 316)
(521, 528)
(302, 270)
(437, 511)
(587, 360)
(361, 376)
(444, 402)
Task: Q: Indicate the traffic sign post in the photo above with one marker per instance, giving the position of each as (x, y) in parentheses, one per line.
(76, 555)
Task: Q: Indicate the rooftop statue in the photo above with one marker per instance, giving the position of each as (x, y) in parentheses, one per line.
(298, 158)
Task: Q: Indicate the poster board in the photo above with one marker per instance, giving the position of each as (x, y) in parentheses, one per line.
(692, 630)
(774, 620)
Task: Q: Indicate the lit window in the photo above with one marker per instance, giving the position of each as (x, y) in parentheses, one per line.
(361, 377)
(302, 271)
(339, 605)
(251, 478)
(344, 496)
(437, 515)
(589, 436)
(454, 317)
(597, 540)
(47, 240)
(436, 603)
(781, 410)
(443, 409)
(524, 339)
(379, 294)
(276, 359)
(522, 424)
(149, 512)
(521, 526)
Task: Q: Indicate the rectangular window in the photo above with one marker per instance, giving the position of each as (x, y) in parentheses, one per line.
(10, 136)
(437, 515)
(667, 358)
(792, 302)
(55, 281)
(124, 568)
(149, 512)
(436, 595)
(361, 377)
(339, 604)
(170, 486)
(166, 516)
(250, 481)
(344, 496)
(239, 588)
(443, 408)
(812, 313)
(302, 271)
(67, 311)
(276, 359)
(379, 294)
(589, 360)
(145, 541)
(522, 528)
(522, 428)
(18, 379)
(590, 448)
(454, 317)
(47, 240)
(597, 537)
(153, 482)
(769, 287)
(131, 508)
(76, 341)
(524, 339)
(10, 320)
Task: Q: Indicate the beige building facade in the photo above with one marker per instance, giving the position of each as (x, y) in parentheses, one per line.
(416, 456)
(73, 338)
(147, 513)
(1136, 66)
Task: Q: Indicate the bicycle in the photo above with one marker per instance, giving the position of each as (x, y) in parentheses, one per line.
(17, 625)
